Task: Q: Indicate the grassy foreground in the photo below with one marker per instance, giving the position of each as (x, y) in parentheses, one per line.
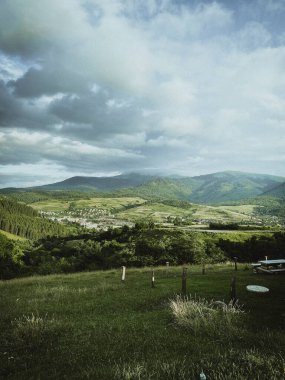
(93, 326)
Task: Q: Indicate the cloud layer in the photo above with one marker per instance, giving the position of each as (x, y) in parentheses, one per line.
(158, 86)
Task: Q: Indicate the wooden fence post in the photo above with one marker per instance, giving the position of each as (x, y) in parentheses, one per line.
(123, 273)
(235, 259)
(233, 292)
(184, 280)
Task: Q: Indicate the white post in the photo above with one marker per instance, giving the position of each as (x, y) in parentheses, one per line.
(167, 263)
(152, 279)
(266, 258)
(123, 273)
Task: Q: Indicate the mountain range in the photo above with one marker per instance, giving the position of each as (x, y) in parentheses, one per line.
(210, 188)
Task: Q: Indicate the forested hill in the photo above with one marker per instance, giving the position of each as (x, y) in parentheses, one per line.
(210, 188)
(98, 183)
(22, 220)
(276, 192)
(232, 185)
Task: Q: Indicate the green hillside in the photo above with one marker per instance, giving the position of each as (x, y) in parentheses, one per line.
(10, 236)
(163, 212)
(276, 192)
(98, 183)
(211, 188)
(225, 186)
(22, 220)
(93, 326)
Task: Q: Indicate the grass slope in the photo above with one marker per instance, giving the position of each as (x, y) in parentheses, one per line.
(91, 326)
(12, 236)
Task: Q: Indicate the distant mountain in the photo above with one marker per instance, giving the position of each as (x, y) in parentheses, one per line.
(104, 184)
(232, 186)
(210, 188)
(276, 192)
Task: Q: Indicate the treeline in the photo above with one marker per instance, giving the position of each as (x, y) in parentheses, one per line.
(11, 254)
(255, 248)
(234, 227)
(142, 245)
(12, 207)
(24, 221)
(31, 196)
(178, 203)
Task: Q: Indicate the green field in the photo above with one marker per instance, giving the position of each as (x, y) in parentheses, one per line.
(93, 326)
(159, 212)
(241, 209)
(104, 203)
(135, 208)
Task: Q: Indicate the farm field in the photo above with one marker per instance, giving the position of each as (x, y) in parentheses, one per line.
(106, 203)
(134, 209)
(241, 209)
(93, 326)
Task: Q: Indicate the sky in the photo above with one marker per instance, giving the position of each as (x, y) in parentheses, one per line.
(100, 88)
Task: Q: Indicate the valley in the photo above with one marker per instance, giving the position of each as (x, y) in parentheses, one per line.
(68, 230)
(100, 203)
(103, 213)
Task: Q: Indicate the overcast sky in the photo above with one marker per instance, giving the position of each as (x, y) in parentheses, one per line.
(103, 87)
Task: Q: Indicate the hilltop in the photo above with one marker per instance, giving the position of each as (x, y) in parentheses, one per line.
(210, 188)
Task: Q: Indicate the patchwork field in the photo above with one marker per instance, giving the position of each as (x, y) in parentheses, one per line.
(134, 209)
(93, 326)
(105, 203)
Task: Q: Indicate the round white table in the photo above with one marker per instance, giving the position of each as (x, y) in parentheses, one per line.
(257, 289)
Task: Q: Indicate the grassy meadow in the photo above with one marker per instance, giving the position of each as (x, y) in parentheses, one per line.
(93, 326)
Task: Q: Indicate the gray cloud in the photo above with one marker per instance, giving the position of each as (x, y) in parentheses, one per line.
(50, 81)
(101, 113)
(104, 87)
(10, 108)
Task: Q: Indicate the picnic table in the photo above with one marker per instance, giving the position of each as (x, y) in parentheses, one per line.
(270, 266)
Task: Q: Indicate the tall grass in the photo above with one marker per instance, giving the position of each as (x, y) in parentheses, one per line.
(201, 315)
(230, 365)
(33, 328)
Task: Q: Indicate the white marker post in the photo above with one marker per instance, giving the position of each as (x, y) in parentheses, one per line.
(152, 279)
(123, 273)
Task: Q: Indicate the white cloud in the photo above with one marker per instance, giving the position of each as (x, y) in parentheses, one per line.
(128, 83)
